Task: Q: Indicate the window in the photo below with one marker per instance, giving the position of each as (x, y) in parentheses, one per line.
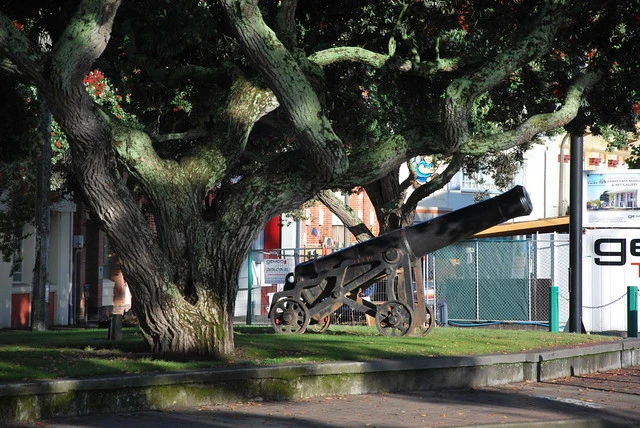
(477, 182)
(106, 258)
(16, 268)
(337, 235)
(480, 182)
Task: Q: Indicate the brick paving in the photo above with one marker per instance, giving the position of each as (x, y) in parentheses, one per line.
(595, 400)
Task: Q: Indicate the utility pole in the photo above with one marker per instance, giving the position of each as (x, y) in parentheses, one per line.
(576, 128)
(575, 233)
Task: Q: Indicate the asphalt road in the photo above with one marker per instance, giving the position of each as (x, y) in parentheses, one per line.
(596, 400)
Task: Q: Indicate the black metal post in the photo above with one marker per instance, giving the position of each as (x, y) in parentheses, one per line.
(575, 235)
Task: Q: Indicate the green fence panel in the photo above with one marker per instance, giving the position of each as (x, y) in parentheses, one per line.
(460, 296)
(504, 299)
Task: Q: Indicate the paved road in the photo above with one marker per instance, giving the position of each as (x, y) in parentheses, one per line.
(596, 400)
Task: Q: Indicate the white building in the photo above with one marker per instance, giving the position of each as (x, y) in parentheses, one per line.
(15, 290)
(545, 175)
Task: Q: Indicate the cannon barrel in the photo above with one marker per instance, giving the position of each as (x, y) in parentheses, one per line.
(427, 237)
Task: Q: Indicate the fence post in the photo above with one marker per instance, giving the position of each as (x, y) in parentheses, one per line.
(632, 311)
(477, 275)
(250, 288)
(554, 318)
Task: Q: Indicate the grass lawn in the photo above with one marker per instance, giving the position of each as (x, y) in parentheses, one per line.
(72, 353)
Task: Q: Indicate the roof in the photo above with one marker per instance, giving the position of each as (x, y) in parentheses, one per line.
(530, 227)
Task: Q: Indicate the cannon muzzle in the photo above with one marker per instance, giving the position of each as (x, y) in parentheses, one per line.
(445, 230)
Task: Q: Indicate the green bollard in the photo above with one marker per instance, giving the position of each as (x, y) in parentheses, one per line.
(249, 320)
(632, 311)
(554, 309)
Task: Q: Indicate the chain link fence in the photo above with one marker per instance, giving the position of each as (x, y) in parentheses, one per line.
(475, 281)
(501, 280)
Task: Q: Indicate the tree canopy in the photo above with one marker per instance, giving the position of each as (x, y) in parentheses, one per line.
(214, 116)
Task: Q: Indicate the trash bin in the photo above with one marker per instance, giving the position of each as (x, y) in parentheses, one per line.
(442, 317)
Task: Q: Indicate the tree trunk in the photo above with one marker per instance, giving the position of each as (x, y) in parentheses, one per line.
(176, 326)
(191, 315)
(387, 197)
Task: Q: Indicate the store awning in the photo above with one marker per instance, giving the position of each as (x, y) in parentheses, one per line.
(544, 225)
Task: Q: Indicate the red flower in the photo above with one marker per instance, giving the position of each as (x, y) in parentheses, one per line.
(93, 78)
(463, 14)
(18, 25)
(636, 108)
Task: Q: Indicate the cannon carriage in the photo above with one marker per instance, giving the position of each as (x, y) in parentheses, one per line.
(319, 287)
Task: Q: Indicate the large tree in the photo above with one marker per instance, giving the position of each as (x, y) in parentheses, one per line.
(240, 110)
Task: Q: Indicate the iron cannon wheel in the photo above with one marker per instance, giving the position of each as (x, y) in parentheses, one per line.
(289, 316)
(394, 318)
(427, 323)
(320, 326)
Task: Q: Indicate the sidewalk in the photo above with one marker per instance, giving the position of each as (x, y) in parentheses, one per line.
(542, 388)
(610, 399)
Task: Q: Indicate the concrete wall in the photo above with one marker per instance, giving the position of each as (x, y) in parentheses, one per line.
(67, 397)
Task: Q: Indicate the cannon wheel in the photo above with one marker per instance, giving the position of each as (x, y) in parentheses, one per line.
(428, 322)
(289, 316)
(320, 326)
(394, 318)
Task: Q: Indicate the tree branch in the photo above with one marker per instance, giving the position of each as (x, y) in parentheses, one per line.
(191, 134)
(325, 153)
(348, 53)
(462, 92)
(85, 37)
(8, 68)
(536, 124)
(348, 217)
(286, 22)
(377, 60)
(434, 184)
(20, 55)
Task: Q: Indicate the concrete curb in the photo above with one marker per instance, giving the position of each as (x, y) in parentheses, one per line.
(71, 397)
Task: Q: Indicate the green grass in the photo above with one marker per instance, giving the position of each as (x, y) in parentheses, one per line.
(82, 353)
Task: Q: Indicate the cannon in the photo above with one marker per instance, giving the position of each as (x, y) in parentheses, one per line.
(319, 287)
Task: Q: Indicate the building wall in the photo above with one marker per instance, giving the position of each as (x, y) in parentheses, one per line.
(545, 175)
(5, 294)
(17, 293)
(98, 271)
(322, 229)
(15, 298)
